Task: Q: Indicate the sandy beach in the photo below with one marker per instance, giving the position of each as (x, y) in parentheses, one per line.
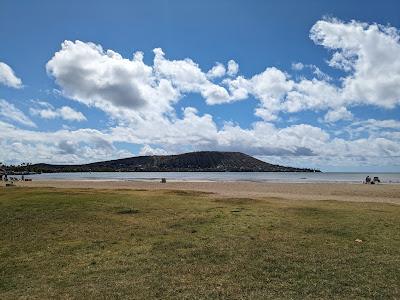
(385, 193)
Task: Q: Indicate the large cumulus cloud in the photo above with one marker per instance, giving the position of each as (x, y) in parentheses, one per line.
(368, 54)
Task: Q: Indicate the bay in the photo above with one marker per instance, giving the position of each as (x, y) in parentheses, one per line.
(221, 176)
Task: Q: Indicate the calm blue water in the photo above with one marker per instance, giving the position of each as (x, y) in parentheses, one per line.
(221, 176)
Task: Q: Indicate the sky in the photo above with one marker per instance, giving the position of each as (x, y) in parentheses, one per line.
(309, 83)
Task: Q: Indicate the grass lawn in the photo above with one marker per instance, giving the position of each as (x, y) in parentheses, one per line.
(59, 243)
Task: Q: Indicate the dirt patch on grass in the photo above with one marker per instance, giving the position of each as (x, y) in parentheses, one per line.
(236, 201)
(128, 211)
(187, 193)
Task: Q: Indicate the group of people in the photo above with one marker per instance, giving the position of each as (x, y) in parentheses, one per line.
(6, 178)
(368, 180)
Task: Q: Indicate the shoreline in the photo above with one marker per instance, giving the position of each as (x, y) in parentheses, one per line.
(259, 177)
(157, 180)
(337, 191)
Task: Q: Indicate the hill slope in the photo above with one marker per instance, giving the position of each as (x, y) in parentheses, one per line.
(205, 161)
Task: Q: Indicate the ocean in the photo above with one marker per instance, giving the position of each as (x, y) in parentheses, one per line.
(220, 176)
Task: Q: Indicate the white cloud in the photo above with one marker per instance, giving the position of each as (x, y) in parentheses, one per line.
(298, 66)
(106, 80)
(62, 146)
(187, 77)
(339, 114)
(315, 70)
(277, 92)
(8, 78)
(130, 88)
(320, 75)
(10, 112)
(378, 124)
(217, 71)
(270, 87)
(371, 56)
(69, 114)
(147, 150)
(49, 112)
(375, 128)
(233, 68)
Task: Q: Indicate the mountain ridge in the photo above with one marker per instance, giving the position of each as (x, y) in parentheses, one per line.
(201, 161)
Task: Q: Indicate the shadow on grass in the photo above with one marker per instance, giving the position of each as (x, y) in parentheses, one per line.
(128, 211)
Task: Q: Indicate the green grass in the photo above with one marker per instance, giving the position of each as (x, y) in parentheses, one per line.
(59, 243)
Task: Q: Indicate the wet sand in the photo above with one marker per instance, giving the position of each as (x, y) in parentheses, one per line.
(385, 193)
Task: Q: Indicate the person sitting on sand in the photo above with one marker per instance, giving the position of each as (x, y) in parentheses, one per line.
(376, 180)
(368, 179)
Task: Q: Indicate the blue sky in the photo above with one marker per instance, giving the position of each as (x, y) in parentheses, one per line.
(302, 83)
